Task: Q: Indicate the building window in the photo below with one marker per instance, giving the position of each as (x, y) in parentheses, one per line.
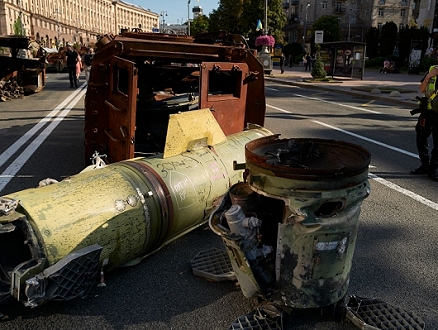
(401, 26)
(324, 5)
(403, 13)
(379, 26)
(339, 7)
(380, 13)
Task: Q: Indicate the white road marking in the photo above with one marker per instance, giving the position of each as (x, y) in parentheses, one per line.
(21, 141)
(404, 191)
(18, 163)
(372, 176)
(407, 153)
(335, 103)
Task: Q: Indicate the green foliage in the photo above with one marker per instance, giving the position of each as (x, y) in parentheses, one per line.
(226, 17)
(18, 27)
(318, 71)
(426, 63)
(406, 40)
(375, 62)
(276, 20)
(294, 48)
(199, 24)
(372, 37)
(405, 37)
(388, 38)
(330, 26)
(241, 17)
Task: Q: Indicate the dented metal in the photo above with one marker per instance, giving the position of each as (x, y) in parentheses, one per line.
(291, 233)
(138, 79)
(127, 210)
(166, 118)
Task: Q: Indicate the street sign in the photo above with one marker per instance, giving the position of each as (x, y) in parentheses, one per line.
(319, 37)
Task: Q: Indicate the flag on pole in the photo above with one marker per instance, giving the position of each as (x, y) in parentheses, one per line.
(259, 25)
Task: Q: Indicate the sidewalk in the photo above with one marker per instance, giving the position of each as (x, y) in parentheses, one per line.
(400, 88)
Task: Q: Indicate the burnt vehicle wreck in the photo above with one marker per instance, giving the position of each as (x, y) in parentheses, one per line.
(153, 95)
(21, 72)
(174, 129)
(139, 79)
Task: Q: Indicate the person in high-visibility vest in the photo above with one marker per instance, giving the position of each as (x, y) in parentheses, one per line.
(427, 125)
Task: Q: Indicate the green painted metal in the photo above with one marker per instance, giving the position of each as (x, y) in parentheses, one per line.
(132, 208)
(306, 195)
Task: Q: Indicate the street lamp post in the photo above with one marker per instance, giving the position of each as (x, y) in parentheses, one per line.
(305, 28)
(20, 15)
(163, 14)
(57, 26)
(266, 18)
(188, 17)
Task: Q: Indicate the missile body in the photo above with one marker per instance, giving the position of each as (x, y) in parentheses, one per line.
(111, 216)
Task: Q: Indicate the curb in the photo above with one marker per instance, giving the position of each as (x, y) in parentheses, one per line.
(320, 86)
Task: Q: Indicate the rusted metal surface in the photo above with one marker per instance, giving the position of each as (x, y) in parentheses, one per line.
(309, 159)
(29, 71)
(290, 232)
(139, 79)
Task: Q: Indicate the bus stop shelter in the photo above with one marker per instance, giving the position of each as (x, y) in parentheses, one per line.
(343, 58)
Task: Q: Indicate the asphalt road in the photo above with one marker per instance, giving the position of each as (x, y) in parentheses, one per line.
(395, 258)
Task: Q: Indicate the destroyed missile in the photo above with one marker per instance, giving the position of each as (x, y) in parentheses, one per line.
(55, 240)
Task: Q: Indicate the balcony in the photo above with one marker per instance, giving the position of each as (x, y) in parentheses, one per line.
(339, 11)
(286, 5)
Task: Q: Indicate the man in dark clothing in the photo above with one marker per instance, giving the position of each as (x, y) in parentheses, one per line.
(308, 62)
(71, 58)
(282, 59)
(427, 125)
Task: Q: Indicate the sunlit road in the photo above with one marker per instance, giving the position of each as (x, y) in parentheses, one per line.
(395, 257)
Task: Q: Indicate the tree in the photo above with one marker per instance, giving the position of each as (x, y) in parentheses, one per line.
(318, 71)
(199, 24)
(246, 13)
(18, 27)
(276, 20)
(226, 16)
(372, 38)
(331, 27)
(388, 38)
(293, 49)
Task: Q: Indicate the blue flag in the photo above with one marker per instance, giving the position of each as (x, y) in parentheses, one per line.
(259, 25)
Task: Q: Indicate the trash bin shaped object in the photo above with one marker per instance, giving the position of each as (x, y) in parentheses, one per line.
(306, 194)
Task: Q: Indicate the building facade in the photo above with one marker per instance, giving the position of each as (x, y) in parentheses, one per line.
(355, 16)
(57, 22)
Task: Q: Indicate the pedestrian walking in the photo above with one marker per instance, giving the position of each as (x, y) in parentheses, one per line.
(79, 68)
(87, 61)
(308, 63)
(282, 59)
(71, 59)
(427, 125)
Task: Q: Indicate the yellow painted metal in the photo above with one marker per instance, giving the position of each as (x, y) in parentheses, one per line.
(132, 208)
(188, 131)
